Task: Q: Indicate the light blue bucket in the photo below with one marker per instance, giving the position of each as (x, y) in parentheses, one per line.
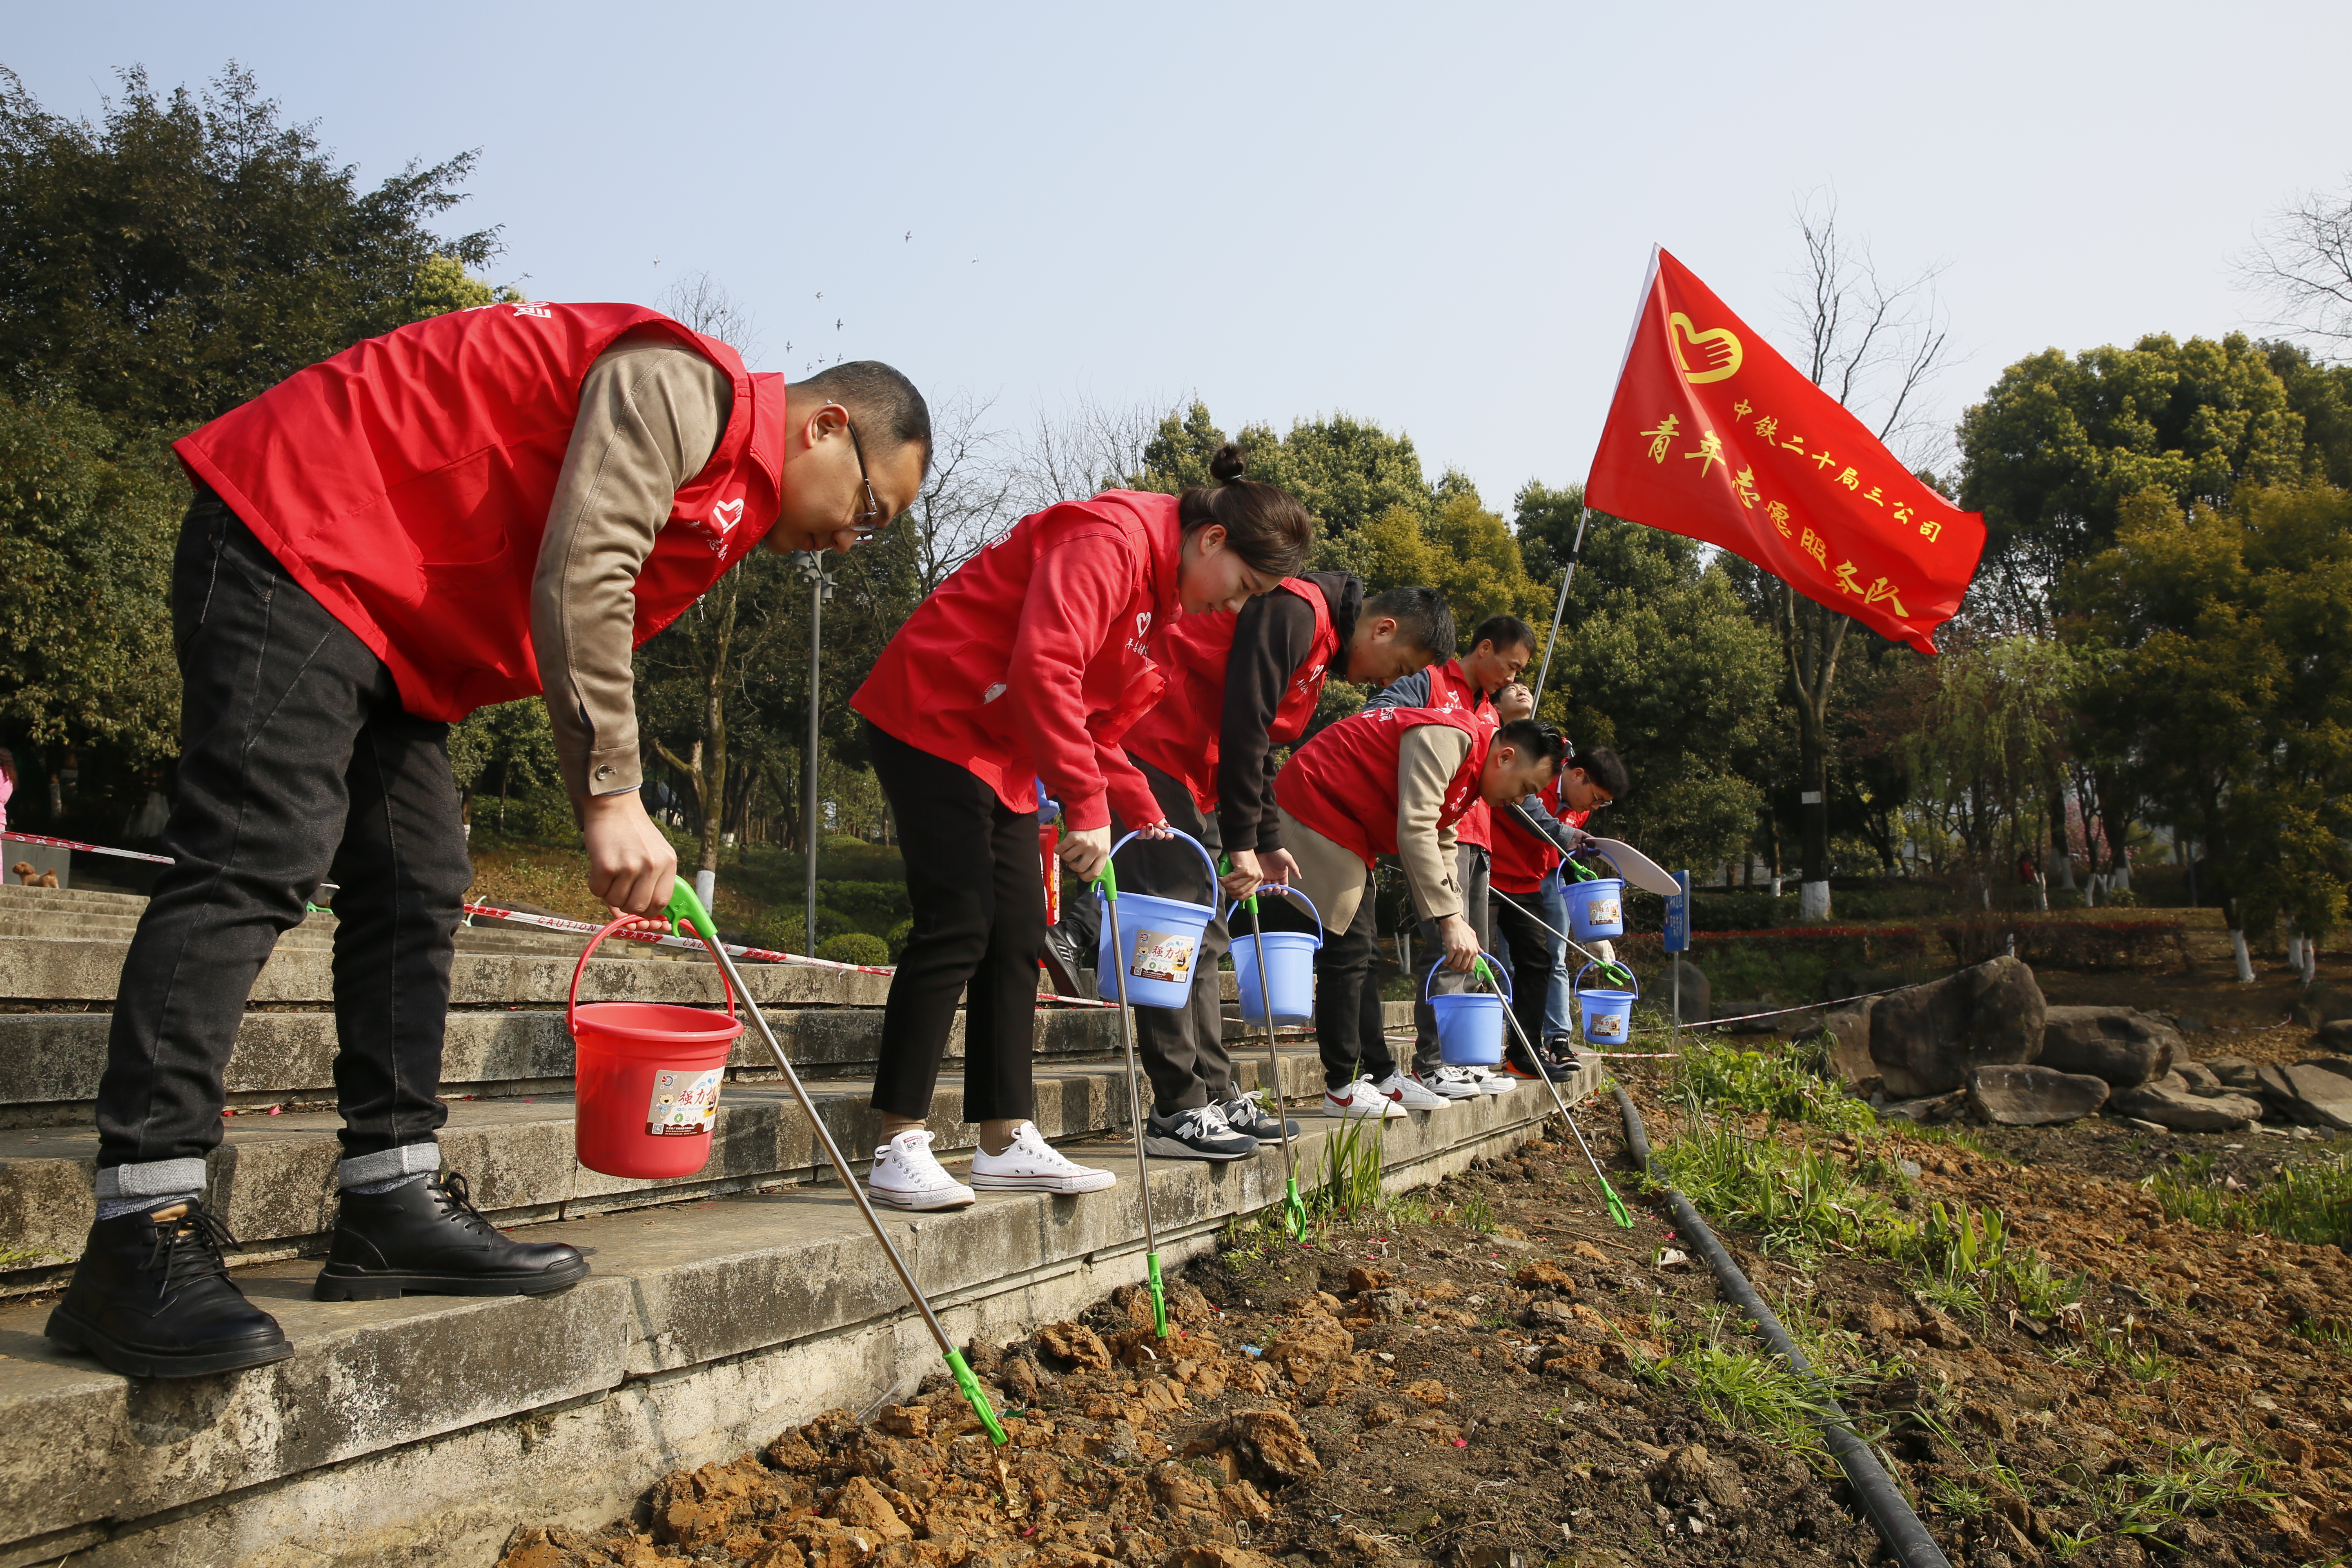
(1608, 1015)
(1158, 940)
(1596, 908)
(1289, 966)
(1469, 1022)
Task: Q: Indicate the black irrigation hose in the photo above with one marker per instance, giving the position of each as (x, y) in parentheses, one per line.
(1880, 1498)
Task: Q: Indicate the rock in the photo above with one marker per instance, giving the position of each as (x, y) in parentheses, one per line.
(860, 1505)
(1848, 1028)
(1267, 1443)
(1428, 1391)
(1541, 1273)
(1215, 1554)
(2181, 1111)
(2121, 1044)
(1698, 995)
(2313, 1096)
(1360, 1278)
(2199, 1078)
(1076, 1343)
(2021, 1094)
(1387, 1304)
(2235, 1072)
(1925, 1038)
(1549, 1315)
(2334, 1036)
(1688, 1474)
(2340, 1065)
(1933, 1108)
(2322, 1005)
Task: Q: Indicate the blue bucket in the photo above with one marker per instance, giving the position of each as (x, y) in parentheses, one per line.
(1157, 940)
(1289, 966)
(1608, 1015)
(1469, 1022)
(1596, 908)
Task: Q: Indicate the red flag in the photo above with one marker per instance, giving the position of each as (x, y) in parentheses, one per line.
(1715, 435)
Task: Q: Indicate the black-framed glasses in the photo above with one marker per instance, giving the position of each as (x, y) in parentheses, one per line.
(871, 519)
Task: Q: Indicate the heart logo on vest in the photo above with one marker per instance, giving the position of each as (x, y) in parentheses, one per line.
(726, 515)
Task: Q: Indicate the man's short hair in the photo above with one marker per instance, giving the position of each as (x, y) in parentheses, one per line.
(1503, 632)
(887, 409)
(1421, 616)
(1603, 767)
(1535, 741)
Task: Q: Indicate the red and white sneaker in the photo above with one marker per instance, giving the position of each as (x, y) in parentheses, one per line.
(1360, 1100)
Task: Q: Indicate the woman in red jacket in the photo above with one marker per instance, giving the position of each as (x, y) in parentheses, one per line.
(1027, 665)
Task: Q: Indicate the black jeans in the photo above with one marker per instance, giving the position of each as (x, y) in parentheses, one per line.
(1528, 949)
(1183, 1050)
(1348, 1030)
(297, 763)
(978, 892)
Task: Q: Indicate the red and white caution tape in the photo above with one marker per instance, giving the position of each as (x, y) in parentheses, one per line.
(85, 849)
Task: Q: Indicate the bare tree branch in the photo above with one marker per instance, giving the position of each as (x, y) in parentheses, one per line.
(968, 500)
(2303, 264)
(1869, 341)
(1089, 446)
(701, 303)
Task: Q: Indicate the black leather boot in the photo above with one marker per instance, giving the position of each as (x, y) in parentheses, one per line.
(151, 1298)
(428, 1238)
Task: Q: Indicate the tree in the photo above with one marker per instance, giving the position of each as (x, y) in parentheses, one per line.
(189, 252)
(512, 746)
(2303, 264)
(967, 499)
(1982, 758)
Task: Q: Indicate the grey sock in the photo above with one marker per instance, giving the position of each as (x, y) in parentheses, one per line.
(373, 1188)
(115, 1208)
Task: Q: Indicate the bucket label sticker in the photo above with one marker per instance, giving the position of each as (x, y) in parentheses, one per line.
(1603, 911)
(1605, 1026)
(1159, 955)
(684, 1104)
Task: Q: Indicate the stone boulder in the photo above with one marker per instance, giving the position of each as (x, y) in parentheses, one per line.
(2023, 1094)
(2235, 1072)
(2334, 1036)
(2312, 1096)
(2183, 1111)
(2122, 1045)
(1848, 1028)
(2196, 1078)
(2340, 1065)
(2323, 1004)
(1926, 1039)
(1697, 994)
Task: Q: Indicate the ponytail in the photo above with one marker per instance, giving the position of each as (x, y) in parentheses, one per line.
(1265, 524)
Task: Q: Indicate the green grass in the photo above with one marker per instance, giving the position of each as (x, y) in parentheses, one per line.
(1786, 1086)
(2196, 1479)
(2309, 1202)
(1742, 1385)
(1346, 1184)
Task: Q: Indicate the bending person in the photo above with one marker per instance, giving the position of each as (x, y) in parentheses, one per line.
(1031, 662)
(1393, 781)
(1530, 911)
(1239, 687)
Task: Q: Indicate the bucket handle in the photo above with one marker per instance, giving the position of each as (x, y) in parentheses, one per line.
(1631, 979)
(1298, 893)
(1494, 967)
(1197, 850)
(572, 1001)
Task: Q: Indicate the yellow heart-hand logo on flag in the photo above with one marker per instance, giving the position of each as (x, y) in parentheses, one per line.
(1716, 354)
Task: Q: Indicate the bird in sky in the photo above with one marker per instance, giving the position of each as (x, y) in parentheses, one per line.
(820, 293)
(910, 235)
(836, 323)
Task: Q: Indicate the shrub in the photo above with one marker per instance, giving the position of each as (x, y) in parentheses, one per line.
(2138, 943)
(898, 936)
(854, 947)
(873, 907)
(1796, 963)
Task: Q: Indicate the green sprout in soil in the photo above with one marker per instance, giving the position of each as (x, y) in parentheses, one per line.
(1741, 1385)
(2310, 1203)
(2198, 1478)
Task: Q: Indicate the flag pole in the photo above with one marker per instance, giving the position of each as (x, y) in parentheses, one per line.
(1575, 553)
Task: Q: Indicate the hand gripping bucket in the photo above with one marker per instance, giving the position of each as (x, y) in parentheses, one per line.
(1160, 939)
(1289, 966)
(1469, 1022)
(1596, 908)
(648, 1074)
(1608, 1015)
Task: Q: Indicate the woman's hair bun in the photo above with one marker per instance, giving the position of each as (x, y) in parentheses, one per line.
(1228, 464)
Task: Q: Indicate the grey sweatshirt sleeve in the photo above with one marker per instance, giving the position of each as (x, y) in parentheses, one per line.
(651, 412)
(1412, 691)
(1427, 759)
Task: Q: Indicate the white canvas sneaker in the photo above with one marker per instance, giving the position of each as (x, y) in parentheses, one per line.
(1411, 1092)
(1454, 1083)
(1030, 1165)
(1359, 1098)
(1489, 1081)
(908, 1175)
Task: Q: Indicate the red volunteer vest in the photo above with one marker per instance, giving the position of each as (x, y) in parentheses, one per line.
(405, 483)
(941, 684)
(1182, 736)
(1521, 860)
(1450, 690)
(1343, 783)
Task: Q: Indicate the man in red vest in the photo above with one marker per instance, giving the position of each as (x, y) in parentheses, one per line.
(475, 508)
(1483, 684)
(1395, 780)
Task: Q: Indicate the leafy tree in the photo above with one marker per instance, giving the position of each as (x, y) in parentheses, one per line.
(1982, 753)
(1346, 471)
(504, 755)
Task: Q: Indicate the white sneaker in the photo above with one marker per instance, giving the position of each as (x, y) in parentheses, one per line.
(1359, 1098)
(1030, 1165)
(1489, 1082)
(908, 1175)
(1454, 1083)
(1411, 1092)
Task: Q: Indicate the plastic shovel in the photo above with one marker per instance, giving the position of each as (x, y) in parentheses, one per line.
(1617, 1210)
(1108, 883)
(685, 906)
(1294, 1207)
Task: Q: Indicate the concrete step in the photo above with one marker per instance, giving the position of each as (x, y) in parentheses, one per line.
(319, 936)
(272, 1180)
(15, 899)
(402, 1431)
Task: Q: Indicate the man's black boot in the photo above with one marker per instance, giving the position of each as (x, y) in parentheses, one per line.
(428, 1238)
(151, 1298)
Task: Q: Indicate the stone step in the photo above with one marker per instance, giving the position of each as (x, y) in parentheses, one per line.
(403, 1430)
(317, 936)
(15, 899)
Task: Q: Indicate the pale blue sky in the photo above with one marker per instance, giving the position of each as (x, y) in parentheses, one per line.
(1432, 216)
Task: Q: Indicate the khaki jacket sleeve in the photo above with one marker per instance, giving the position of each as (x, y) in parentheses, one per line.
(651, 412)
(1427, 760)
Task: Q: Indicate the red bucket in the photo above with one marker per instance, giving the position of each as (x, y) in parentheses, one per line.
(648, 1074)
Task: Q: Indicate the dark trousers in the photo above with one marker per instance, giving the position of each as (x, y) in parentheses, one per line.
(978, 892)
(296, 763)
(1470, 870)
(1348, 1033)
(1183, 1051)
(1528, 948)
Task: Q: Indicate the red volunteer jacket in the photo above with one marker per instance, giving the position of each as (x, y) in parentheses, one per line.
(1183, 735)
(1450, 690)
(405, 483)
(1521, 860)
(1032, 659)
(1343, 783)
